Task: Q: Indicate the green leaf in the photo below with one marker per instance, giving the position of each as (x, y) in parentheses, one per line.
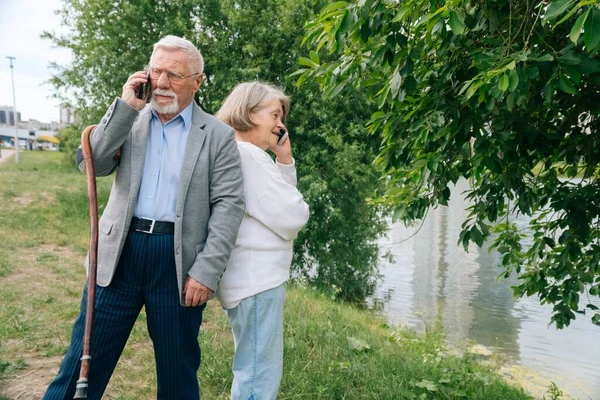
(314, 56)
(570, 58)
(427, 384)
(565, 84)
(457, 22)
(302, 78)
(513, 80)
(548, 91)
(401, 14)
(510, 102)
(588, 66)
(592, 306)
(576, 29)
(346, 23)
(395, 83)
(568, 15)
(556, 8)
(383, 94)
(477, 236)
(503, 82)
(549, 242)
(591, 28)
(544, 58)
(473, 88)
(357, 344)
(333, 7)
(336, 90)
(407, 68)
(596, 319)
(307, 62)
(365, 32)
(574, 74)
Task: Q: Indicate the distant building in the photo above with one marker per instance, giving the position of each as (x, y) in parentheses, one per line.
(68, 115)
(44, 138)
(7, 116)
(35, 125)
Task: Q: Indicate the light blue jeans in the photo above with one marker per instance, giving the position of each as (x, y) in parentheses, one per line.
(257, 324)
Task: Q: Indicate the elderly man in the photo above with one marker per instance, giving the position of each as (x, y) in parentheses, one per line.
(168, 228)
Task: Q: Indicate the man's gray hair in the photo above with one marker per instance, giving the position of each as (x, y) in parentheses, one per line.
(172, 42)
(247, 98)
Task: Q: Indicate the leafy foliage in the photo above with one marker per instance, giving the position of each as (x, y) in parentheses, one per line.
(503, 93)
(247, 40)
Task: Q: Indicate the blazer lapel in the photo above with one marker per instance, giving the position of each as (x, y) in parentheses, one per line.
(193, 146)
(139, 144)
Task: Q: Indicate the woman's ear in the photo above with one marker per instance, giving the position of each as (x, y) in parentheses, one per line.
(252, 117)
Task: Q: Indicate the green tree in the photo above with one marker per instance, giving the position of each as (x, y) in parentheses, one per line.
(247, 40)
(504, 93)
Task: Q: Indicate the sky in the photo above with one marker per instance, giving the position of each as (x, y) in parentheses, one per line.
(21, 24)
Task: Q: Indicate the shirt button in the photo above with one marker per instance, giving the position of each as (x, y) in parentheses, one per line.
(154, 174)
(149, 196)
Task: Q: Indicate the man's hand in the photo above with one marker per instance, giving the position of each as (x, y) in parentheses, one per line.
(195, 293)
(129, 89)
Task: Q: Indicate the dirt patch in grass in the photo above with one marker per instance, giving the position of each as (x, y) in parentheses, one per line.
(35, 268)
(6, 155)
(31, 382)
(24, 200)
(133, 373)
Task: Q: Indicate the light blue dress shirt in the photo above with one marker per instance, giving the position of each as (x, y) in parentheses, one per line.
(157, 198)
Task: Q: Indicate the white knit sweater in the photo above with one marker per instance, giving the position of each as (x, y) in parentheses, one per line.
(275, 213)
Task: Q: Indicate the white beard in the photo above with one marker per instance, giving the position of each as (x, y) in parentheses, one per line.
(170, 108)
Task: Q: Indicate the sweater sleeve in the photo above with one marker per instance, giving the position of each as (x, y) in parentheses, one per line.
(270, 197)
(288, 172)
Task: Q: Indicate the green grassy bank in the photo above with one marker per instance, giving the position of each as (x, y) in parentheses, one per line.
(332, 351)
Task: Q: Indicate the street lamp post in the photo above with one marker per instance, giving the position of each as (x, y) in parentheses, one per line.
(14, 110)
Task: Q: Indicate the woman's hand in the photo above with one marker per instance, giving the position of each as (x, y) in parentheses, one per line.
(283, 152)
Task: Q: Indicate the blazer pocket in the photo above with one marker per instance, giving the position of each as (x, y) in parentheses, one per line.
(105, 225)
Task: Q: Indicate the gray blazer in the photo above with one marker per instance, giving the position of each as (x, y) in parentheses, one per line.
(210, 204)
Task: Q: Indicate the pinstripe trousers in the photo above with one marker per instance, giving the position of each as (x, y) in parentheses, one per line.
(145, 276)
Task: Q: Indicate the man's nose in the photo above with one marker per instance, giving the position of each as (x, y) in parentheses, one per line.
(163, 81)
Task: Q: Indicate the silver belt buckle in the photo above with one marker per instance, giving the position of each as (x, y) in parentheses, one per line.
(151, 226)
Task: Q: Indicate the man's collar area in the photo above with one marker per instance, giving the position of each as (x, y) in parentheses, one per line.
(185, 114)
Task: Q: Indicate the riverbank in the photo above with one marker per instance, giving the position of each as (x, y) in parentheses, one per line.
(332, 351)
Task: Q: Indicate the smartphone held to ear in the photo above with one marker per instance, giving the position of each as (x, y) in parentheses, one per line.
(282, 137)
(142, 90)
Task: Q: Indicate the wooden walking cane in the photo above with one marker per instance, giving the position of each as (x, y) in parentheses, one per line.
(82, 383)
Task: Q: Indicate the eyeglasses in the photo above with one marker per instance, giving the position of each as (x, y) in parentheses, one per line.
(154, 74)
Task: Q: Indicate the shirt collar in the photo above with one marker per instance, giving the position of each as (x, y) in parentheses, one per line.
(185, 114)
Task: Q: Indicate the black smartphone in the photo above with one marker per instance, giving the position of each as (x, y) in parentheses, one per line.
(143, 88)
(282, 137)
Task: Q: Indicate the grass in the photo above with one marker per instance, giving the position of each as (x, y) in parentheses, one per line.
(332, 351)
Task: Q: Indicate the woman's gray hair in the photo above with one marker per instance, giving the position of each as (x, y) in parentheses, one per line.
(176, 43)
(247, 98)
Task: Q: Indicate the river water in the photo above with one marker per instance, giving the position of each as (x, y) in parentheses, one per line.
(431, 276)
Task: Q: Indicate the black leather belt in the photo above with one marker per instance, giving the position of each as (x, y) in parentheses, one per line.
(151, 226)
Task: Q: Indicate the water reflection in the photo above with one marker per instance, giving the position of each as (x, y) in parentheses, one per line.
(431, 276)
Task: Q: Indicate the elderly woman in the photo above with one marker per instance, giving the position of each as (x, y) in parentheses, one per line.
(252, 289)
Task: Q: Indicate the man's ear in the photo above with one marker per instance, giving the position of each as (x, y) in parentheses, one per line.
(199, 79)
